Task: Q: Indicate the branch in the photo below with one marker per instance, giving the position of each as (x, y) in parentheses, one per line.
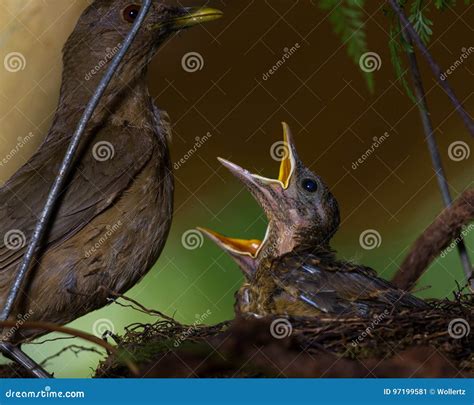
(406, 25)
(50, 327)
(422, 104)
(438, 236)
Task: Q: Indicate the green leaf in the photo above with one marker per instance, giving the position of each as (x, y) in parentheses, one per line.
(347, 19)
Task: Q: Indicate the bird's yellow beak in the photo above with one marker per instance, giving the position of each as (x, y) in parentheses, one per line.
(284, 151)
(288, 163)
(247, 247)
(193, 16)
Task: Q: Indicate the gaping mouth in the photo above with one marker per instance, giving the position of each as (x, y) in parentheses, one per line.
(286, 153)
(194, 16)
(243, 247)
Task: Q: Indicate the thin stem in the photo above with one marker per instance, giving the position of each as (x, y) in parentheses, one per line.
(67, 164)
(410, 30)
(50, 327)
(422, 104)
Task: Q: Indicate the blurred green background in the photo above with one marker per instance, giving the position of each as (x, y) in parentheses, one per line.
(318, 91)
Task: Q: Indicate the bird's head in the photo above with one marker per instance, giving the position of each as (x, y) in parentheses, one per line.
(298, 204)
(101, 31)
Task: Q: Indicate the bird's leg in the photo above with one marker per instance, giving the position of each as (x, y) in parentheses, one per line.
(14, 353)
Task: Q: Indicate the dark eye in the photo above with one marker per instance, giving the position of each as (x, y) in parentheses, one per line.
(131, 13)
(310, 185)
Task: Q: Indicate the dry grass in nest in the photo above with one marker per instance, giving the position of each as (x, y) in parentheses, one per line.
(392, 344)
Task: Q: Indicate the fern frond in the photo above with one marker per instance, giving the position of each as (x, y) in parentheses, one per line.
(420, 21)
(396, 45)
(346, 17)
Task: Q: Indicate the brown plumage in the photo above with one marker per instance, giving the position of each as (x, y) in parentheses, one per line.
(115, 214)
(294, 271)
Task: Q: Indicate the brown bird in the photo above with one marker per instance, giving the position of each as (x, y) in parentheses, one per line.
(114, 216)
(294, 271)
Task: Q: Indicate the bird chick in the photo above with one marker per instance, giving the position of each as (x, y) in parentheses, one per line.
(293, 271)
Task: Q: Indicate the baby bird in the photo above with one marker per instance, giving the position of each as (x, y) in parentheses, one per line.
(293, 271)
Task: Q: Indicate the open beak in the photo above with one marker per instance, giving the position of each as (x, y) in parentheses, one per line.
(242, 247)
(257, 184)
(191, 16)
(244, 252)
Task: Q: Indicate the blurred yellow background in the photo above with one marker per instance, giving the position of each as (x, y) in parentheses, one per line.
(318, 91)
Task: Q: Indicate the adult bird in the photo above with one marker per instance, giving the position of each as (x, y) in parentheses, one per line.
(114, 216)
(293, 271)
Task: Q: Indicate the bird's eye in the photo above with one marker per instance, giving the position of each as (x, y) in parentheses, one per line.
(310, 185)
(131, 12)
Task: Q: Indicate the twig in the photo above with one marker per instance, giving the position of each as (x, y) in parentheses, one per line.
(139, 306)
(406, 25)
(422, 104)
(67, 164)
(76, 349)
(434, 239)
(51, 327)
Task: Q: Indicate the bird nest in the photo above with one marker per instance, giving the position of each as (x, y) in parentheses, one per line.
(434, 342)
